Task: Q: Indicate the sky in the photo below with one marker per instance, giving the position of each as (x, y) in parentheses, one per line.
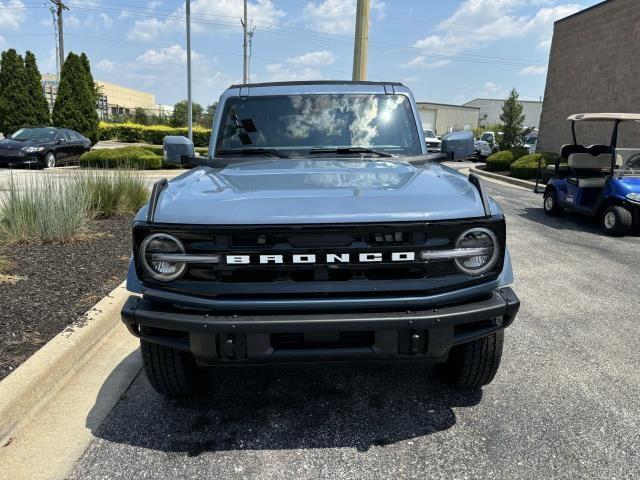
(445, 50)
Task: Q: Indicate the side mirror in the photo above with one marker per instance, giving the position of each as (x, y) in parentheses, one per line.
(178, 150)
(60, 141)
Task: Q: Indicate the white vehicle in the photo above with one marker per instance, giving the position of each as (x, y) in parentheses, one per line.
(486, 145)
(530, 143)
(433, 142)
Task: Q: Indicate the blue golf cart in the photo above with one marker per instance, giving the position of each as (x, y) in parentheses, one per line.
(598, 180)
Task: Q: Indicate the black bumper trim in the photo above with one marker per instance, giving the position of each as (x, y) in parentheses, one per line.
(197, 332)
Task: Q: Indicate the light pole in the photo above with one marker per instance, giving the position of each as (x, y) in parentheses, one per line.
(245, 46)
(189, 100)
(361, 41)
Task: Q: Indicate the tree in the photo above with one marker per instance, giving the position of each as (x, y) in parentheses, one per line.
(179, 116)
(39, 107)
(512, 120)
(75, 105)
(140, 116)
(13, 93)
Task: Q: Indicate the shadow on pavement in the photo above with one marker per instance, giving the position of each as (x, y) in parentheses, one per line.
(288, 408)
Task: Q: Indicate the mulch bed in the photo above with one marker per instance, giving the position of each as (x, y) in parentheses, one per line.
(56, 285)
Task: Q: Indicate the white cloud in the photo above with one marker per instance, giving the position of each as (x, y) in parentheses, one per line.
(12, 14)
(106, 19)
(71, 21)
(476, 23)
(263, 11)
(105, 65)
(422, 62)
(492, 87)
(2, 41)
(336, 16)
(310, 59)
(533, 70)
(146, 29)
(153, 5)
(279, 72)
(174, 54)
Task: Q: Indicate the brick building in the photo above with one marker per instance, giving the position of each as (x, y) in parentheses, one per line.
(594, 66)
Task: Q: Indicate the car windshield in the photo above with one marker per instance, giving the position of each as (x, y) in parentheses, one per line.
(487, 137)
(429, 134)
(37, 134)
(299, 125)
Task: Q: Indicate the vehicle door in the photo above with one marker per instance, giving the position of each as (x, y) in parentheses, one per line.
(74, 142)
(63, 148)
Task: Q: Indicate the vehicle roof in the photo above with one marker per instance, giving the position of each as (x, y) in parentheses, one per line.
(317, 87)
(604, 117)
(313, 82)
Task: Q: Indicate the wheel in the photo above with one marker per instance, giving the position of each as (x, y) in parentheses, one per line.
(170, 372)
(550, 203)
(474, 364)
(50, 160)
(616, 220)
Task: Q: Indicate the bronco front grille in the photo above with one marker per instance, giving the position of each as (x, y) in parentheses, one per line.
(319, 240)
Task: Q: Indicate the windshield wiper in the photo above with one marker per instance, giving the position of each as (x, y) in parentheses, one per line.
(346, 150)
(271, 152)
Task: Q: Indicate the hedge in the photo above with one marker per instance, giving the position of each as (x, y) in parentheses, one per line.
(154, 134)
(158, 150)
(500, 161)
(124, 157)
(527, 166)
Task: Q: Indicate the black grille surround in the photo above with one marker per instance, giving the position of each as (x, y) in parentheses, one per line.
(288, 280)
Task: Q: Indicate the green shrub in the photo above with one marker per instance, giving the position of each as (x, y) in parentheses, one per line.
(526, 167)
(518, 152)
(153, 134)
(137, 158)
(500, 161)
(115, 192)
(44, 208)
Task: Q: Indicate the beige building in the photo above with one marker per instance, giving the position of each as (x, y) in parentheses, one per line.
(115, 100)
(491, 109)
(443, 118)
(594, 66)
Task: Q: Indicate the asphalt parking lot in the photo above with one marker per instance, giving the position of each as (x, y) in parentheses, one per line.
(564, 404)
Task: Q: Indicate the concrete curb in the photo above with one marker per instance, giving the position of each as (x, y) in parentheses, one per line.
(42, 374)
(504, 178)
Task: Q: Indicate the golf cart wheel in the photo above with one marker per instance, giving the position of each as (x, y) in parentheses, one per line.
(474, 364)
(50, 160)
(550, 203)
(616, 220)
(170, 372)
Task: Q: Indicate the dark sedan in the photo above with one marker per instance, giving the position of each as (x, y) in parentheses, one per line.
(43, 147)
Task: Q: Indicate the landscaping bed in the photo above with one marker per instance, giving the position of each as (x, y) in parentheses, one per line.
(49, 287)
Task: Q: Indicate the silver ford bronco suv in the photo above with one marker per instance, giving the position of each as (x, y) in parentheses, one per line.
(317, 230)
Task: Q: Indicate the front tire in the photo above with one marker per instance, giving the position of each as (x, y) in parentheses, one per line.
(616, 220)
(170, 372)
(474, 364)
(50, 160)
(550, 203)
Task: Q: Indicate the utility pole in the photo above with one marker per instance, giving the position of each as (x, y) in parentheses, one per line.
(361, 40)
(60, 7)
(189, 100)
(245, 46)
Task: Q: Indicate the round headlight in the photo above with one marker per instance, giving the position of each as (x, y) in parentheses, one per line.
(479, 239)
(154, 252)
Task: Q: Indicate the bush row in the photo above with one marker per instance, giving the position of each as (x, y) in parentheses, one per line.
(526, 167)
(138, 158)
(154, 134)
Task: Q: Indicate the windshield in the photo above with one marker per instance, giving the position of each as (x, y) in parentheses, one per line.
(37, 134)
(628, 161)
(298, 124)
(487, 137)
(429, 134)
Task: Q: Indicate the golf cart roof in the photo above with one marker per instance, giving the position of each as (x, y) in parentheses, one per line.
(604, 117)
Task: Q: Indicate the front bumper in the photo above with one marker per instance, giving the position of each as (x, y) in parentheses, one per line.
(19, 160)
(331, 336)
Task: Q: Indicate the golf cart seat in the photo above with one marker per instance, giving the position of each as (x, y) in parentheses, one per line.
(590, 170)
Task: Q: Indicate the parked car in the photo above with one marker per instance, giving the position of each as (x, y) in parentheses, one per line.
(43, 147)
(530, 143)
(314, 231)
(486, 145)
(599, 180)
(433, 142)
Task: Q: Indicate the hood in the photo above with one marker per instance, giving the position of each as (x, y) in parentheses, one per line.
(303, 191)
(10, 144)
